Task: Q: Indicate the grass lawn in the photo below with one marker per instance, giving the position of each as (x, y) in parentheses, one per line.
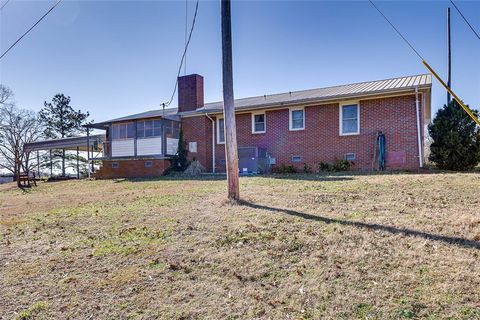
(393, 246)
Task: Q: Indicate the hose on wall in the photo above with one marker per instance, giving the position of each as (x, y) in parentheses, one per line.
(381, 141)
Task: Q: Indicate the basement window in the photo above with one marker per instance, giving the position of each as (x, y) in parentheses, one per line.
(350, 157)
(296, 159)
(115, 165)
(148, 164)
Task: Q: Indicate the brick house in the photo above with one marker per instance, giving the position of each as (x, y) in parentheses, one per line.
(293, 128)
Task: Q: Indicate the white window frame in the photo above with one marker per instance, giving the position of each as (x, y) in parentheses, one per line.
(340, 117)
(290, 119)
(218, 130)
(264, 120)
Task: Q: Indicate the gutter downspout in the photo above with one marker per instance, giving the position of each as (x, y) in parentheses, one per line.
(419, 133)
(213, 141)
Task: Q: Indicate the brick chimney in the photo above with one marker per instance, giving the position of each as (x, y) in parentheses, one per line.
(190, 92)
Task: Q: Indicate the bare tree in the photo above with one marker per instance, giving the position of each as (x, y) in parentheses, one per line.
(17, 128)
(6, 95)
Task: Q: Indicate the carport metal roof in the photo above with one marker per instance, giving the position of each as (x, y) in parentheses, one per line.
(70, 143)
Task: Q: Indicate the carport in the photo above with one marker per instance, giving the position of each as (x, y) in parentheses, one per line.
(90, 143)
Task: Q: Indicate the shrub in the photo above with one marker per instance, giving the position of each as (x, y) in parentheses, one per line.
(284, 169)
(307, 168)
(323, 166)
(456, 139)
(179, 162)
(337, 165)
(341, 165)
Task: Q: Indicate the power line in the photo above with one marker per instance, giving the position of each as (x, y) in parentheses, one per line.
(4, 4)
(460, 102)
(23, 35)
(464, 18)
(399, 33)
(183, 56)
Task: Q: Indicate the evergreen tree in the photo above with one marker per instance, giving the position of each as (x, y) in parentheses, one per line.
(456, 139)
(179, 162)
(61, 120)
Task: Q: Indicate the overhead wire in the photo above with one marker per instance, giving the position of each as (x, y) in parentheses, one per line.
(465, 19)
(34, 25)
(3, 5)
(183, 55)
(460, 102)
(398, 31)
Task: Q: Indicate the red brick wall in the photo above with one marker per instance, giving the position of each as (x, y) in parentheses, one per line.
(131, 169)
(199, 130)
(321, 141)
(190, 92)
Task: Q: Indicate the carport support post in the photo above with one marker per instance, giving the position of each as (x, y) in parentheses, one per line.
(78, 165)
(88, 152)
(51, 164)
(93, 168)
(38, 164)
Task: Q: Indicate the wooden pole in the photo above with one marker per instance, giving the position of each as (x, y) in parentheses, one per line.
(231, 150)
(449, 45)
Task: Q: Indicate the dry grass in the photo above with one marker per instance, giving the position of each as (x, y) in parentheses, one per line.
(403, 246)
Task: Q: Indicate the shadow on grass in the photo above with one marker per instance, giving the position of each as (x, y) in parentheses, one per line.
(179, 177)
(350, 175)
(311, 177)
(461, 242)
(322, 176)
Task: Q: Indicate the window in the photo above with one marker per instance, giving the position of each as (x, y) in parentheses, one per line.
(148, 164)
(349, 119)
(350, 156)
(123, 131)
(157, 128)
(296, 159)
(297, 119)
(149, 128)
(220, 130)
(115, 165)
(258, 122)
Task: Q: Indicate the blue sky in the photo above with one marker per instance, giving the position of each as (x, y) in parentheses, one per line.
(116, 58)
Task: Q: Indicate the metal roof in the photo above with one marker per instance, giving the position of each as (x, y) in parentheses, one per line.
(348, 91)
(324, 94)
(69, 143)
(170, 113)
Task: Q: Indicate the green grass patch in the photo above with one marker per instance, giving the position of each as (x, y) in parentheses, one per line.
(129, 241)
(35, 311)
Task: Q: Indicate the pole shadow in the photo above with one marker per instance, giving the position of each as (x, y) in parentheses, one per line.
(458, 241)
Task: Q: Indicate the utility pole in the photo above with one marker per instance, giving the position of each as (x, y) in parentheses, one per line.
(231, 150)
(449, 45)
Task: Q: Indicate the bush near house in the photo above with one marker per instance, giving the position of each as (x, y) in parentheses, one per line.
(179, 162)
(456, 139)
(336, 166)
